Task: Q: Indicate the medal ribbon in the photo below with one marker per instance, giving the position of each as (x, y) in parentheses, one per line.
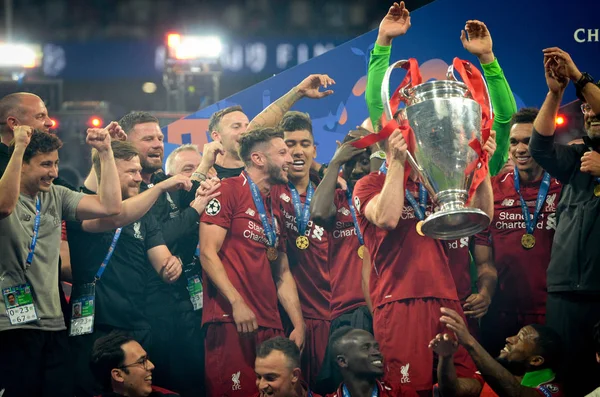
(418, 207)
(36, 228)
(361, 241)
(258, 202)
(347, 393)
(542, 193)
(109, 254)
(302, 213)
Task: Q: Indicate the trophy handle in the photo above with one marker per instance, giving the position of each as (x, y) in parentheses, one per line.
(451, 76)
(385, 88)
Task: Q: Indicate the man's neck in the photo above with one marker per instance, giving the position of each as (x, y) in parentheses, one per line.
(260, 179)
(229, 160)
(6, 137)
(147, 177)
(28, 192)
(299, 390)
(301, 184)
(531, 175)
(360, 387)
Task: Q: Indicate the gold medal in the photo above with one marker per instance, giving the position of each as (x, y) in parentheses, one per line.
(419, 227)
(272, 254)
(302, 242)
(597, 191)
(361, 251)
(528, 241)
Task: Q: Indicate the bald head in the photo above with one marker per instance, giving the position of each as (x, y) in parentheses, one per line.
(22, 108)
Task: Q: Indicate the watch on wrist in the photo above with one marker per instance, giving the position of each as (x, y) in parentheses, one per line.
(581, 83)
(380, 154)
(199, 175)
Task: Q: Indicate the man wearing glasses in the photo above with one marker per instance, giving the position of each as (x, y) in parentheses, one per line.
(123, 368)
(573, 277)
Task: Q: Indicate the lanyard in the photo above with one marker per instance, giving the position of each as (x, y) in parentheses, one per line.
(545, 185)
(111, 249)
(36, 228)
(302, 213)
(418, 207)
(258, 202)
(354, 220)
(347, 393)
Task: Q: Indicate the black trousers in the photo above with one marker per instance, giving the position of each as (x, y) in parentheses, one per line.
(573, 316)
(329, 377)
(35, 363)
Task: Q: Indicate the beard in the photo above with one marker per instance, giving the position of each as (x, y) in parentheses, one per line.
(517, 368)
(275, 174)
(150, 167)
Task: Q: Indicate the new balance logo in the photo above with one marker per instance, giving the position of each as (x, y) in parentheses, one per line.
(344, 211)
(508, 202)
(250, 212)
(285, 197)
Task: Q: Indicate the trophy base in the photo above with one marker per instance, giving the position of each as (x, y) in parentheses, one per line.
(455, 223)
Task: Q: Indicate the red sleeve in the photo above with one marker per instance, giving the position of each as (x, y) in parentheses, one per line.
(484, 237)
(219, 211)
(366, 188)
(63, 231)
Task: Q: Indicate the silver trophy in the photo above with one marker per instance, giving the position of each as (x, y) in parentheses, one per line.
(444, 118)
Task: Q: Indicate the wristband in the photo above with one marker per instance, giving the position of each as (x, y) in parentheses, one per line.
(380, 154)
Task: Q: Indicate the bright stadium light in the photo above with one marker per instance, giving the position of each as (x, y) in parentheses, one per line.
(193, 48)
(23, 56)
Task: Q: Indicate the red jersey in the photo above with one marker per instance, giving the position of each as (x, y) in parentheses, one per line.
(309, 266)
(243, 254)
(405, 264)
(345, 266)
(383, 390)
(460, 266)
(521, 272)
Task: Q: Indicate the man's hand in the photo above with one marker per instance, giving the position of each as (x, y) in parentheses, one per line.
(444, 345)
(454, 322)
(395, 23)
(478, 41)
(590, 163)
(297, 336)
(397, 146)
(99, 138)
(345, 152)
(205, 193)
(116, 132)
(477, 305)
(563, 58)
(244, 318)
(171, 269)
(309, 87)
(210, 151)
(176, 182)
(556, 75)
(22, 135)
(490, 145)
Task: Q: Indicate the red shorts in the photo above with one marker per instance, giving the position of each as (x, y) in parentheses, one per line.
(230, 359)
(496, 326)
(404, 330)
(315, 346)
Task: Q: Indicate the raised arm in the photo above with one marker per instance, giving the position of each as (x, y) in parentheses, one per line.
(322, 207)
(10, 183)
(288, 297)
(477, 304)
(211, 241)
(384, 210)
(477, 39)
(395, 23)
(108, 200)
(135, 207)
(309, 88)
(366, 278)
(450, 385)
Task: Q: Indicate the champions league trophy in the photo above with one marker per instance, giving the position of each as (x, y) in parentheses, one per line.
(444, 118)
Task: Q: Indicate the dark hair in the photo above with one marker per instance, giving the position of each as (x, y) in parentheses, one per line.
(121, 151)
(597, 337)
(548, 345)
(39, 142)
(524, 116)
(284, 345)
(215, 119)
(249, 140)
(131, 119)
(107, 354)
(336, 339)
(10, 105)
(296, 121)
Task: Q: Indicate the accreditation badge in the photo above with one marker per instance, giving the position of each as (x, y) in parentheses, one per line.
(19, 304)
(83, 309)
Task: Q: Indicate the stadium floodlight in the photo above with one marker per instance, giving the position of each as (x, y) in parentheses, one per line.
(20, 56)
(183, 48)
